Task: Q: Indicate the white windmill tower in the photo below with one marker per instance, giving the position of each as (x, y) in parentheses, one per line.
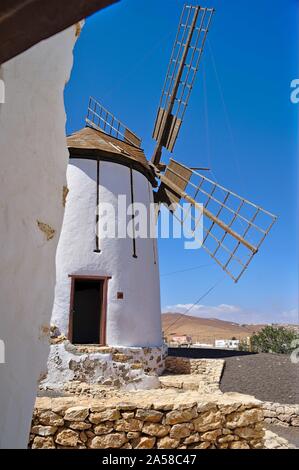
(107, 290)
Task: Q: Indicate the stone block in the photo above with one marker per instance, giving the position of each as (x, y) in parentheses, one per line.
(179, 431)
(127, 425)
(44, 430)
(156, 429)
(76, 413)
(180, 416)
(67, 438)
(107, 415)
(152, 416)
(112, 441)
(43, 443)
(167, 443)
(48, 418)
(146, 443)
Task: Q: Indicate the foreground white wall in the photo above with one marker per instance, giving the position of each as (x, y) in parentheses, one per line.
(134, 320)
(32, 174)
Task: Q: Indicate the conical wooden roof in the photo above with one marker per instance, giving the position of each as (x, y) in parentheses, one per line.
(92, 143)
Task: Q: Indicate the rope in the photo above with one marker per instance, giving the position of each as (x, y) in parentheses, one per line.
(206, 117)
(138, 63)
(195, 303)
(207, 126)
(226, 114)
(188, 269)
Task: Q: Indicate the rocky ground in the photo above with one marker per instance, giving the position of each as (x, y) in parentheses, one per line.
(290, 433)
(273, 440)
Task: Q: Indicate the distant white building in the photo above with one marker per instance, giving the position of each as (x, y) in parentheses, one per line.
(181, 340)
(227, 343)
(202, 345)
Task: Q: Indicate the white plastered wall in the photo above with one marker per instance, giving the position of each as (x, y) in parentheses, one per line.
(134, 320)
(32, 174)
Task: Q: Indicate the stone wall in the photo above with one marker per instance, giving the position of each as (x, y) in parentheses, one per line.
(149, 419)
(119, 367)
(285, 415)
(194, 374)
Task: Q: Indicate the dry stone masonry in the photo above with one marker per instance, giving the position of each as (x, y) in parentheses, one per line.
(105, 404)
(149, 419)
(285, 415)
(193, 374)
(129, 368)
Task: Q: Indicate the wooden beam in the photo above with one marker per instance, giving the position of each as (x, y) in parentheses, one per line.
(24, 23)
(207, 213)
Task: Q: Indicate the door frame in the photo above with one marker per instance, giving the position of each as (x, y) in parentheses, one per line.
(103, 313)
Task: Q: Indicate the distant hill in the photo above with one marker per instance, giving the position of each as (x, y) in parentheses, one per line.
(204, 330)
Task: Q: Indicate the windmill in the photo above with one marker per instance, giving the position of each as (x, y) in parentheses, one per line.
(107, 290)
(236, 227)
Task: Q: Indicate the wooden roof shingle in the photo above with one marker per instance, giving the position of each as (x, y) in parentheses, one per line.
(89, 142)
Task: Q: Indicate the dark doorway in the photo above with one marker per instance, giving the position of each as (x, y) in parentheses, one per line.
(87, 311)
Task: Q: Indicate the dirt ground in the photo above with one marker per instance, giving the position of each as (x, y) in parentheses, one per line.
(269, 377)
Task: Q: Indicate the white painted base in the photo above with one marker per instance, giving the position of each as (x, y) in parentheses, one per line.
(128, 368)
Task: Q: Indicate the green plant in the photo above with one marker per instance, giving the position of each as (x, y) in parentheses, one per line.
(273, 339)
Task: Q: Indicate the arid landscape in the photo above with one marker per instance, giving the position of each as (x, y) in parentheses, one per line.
(205, 330)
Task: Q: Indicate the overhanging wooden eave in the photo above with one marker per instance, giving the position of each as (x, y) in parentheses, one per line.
(24, 23)
(95, 154)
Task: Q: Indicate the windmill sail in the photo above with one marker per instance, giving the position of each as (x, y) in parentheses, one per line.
(101, 119)
(184, 63)
(233, 227)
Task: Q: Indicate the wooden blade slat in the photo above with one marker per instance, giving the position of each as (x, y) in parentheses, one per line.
(101, 119)
(235, 233)
(183, 66)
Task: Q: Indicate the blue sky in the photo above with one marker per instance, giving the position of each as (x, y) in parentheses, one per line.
(241, 124)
